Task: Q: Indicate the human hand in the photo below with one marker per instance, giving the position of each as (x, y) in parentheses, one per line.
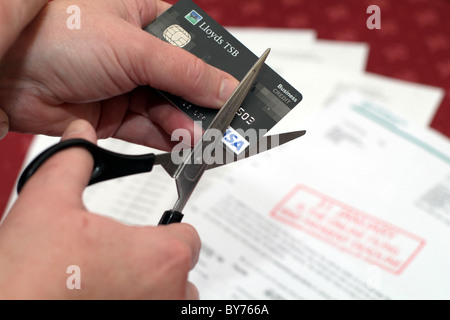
(14, 16)
(48, 229)
(53, 75)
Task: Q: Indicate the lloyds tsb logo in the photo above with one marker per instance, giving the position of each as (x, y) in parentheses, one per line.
(193, 17)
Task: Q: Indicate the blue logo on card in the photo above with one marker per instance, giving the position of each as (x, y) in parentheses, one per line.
(235, 141)
(193, 17)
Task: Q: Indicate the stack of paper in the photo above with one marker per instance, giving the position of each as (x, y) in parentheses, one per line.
(325, 69)
(358, 208)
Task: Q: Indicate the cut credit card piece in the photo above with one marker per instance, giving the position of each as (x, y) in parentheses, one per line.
(187, 26)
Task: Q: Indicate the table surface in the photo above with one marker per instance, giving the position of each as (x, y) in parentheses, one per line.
(413, 44)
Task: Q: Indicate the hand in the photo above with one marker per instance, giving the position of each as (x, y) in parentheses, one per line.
(101, 73)
(48, 229)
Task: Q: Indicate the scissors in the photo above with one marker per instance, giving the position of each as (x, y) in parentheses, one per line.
(110, 165)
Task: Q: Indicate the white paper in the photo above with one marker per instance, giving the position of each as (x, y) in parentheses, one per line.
(320, 86)
(291, 45)
(322, 70)
(355, 209)
(279, 40)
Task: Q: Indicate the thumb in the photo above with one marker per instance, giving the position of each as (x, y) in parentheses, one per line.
(64, 176)
(196, 81)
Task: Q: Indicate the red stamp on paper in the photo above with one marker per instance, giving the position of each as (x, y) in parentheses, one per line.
(349, 229)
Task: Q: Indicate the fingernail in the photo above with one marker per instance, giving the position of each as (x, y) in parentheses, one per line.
(226, 89)
(4, 128)
(75, 129)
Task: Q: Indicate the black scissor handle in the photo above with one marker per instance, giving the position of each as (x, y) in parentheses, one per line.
(107, 164)
(171, 216)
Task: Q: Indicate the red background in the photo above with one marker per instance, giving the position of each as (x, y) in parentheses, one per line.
(413, 44)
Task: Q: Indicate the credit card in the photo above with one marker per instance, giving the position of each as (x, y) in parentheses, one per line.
(187, 26)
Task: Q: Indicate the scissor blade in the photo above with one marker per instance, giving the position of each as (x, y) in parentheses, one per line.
(221, 122)
(190, 172)
(227, 113)
(264, 144)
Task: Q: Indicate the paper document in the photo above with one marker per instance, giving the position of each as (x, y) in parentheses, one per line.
(355, 209)
(325, 69)
(301, 45)
(279, 40)
(320, 86)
